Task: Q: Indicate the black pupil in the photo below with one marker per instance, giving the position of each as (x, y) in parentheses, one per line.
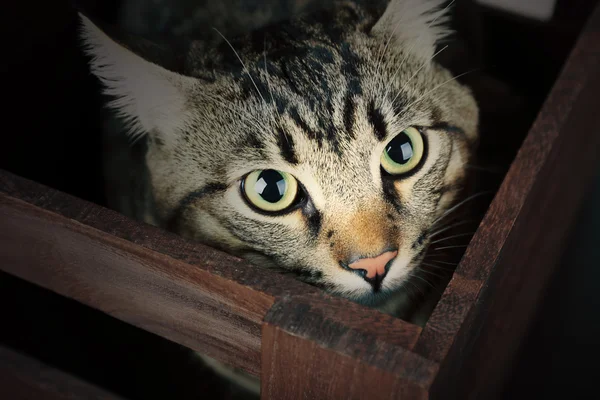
(400, 149)
(270, 185)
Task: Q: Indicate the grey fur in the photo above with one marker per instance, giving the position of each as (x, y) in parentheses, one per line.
(318, 97)
(312, 96)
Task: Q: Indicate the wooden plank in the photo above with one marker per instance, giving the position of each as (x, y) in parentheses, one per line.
(201, 298)
(336, 350)
(300, 369)
(25, 378)
(189, 306)
(514, 252)
(148, 237)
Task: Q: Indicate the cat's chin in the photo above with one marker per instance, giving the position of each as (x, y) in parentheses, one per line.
(369, 298)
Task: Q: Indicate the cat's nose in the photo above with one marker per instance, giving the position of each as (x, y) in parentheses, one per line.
(375, 268)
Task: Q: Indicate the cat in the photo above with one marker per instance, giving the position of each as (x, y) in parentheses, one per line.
(330, 146)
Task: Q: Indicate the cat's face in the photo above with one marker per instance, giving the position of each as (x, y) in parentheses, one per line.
(329, 152)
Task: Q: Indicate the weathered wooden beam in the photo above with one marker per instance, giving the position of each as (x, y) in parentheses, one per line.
(323, 350)
(191, 294)
(476, 329)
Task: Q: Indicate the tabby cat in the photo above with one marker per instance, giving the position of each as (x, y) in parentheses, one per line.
(330, 145)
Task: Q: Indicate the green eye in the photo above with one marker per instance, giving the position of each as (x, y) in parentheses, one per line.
(403, 153)
(270, 190)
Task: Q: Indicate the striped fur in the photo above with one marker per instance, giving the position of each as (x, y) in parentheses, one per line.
(318, 97)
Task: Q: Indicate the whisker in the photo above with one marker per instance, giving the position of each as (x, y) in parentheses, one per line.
(224, 103)
(443, 262)
(416, 286)
(452, 209)
(447, 228)
(439, 267)
(433, 273)
(416, 72)
(269, 83)
(243, 65)
(411, 294)
(422, 97)
(424, 280)
(452, 237)
(381, 56)
(458, 246)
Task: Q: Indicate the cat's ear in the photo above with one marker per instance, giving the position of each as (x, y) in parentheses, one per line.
(416, 26)
(148, 96)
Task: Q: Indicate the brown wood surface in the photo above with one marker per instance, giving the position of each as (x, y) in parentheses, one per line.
(316, 349)
(25, 378)
(185, 292)
(518, 244)
(297, 368)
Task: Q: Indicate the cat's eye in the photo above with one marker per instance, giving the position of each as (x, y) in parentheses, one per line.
(403, 153)
(270, 190)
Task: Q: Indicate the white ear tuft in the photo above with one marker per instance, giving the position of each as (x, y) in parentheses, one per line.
(148, 97)
(417, 25)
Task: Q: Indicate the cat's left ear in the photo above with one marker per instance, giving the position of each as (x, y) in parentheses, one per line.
(416, 26)
(147, 95)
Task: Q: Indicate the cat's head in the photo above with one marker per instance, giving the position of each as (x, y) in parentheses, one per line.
(326, 146)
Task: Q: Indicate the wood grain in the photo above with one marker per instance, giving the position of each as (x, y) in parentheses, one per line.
(188, 293)
(25, 378)
(144, 288)
(296, 368)
(477, 327)
(316, 350)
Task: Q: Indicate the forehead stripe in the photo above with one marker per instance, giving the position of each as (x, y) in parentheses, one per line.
(349, 111)
(285, 142)
(377, 120)
(293, 113)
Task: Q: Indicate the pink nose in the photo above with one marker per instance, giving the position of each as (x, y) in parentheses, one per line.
(374, 266)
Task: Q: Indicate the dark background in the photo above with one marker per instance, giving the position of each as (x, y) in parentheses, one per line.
(51, 134)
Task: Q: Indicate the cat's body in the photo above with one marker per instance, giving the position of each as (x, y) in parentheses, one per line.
(329, 146)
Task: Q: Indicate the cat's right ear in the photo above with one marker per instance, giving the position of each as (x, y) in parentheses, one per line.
(150, 97)
(415, 25)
